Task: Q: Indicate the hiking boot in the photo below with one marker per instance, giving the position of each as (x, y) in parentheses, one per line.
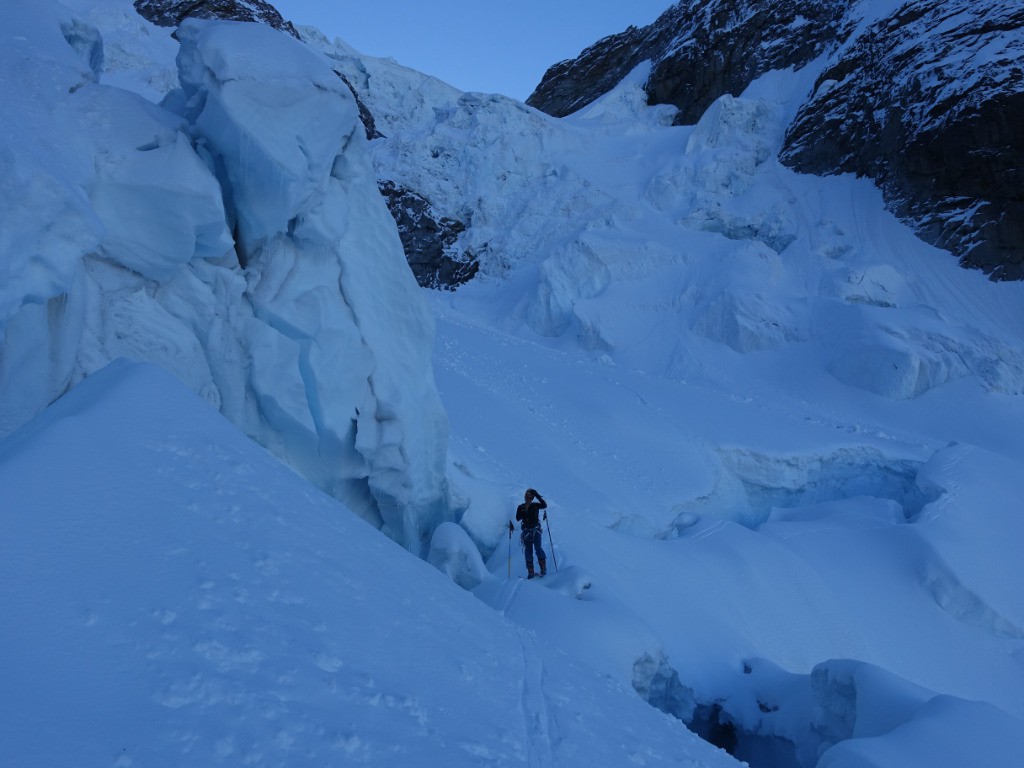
(543, 569)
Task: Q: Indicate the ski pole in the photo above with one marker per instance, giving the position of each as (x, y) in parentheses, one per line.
(510, 529)
(552, 543)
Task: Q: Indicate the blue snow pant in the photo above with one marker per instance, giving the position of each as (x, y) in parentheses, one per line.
(531, 539)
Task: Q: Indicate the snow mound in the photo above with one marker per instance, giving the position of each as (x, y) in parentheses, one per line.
(875, 720)
(571, 581)
(453, 553)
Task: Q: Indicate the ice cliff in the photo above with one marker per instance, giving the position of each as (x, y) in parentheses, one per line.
(235, 236)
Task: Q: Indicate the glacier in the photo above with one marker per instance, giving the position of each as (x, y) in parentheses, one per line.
(780, 438)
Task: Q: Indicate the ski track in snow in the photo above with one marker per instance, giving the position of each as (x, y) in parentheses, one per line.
(533, 704)
(512, 587)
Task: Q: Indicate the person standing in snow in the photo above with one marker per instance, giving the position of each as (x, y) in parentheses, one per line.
(532, 536)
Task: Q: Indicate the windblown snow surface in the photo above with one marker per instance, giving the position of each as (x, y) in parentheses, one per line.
(779, 436)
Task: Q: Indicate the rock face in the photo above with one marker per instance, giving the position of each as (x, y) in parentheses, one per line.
(929, 102)
(429, 239)
(926, 100)
(170, 13)
(699, 51)
(365, 115)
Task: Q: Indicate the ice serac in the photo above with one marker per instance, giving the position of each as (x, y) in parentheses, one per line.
(103, 199)
(341, 369)
(304, 327)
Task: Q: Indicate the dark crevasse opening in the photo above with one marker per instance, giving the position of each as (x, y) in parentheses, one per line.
(713, 724)
(659, 685)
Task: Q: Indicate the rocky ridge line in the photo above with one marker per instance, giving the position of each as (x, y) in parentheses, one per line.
(170, 13)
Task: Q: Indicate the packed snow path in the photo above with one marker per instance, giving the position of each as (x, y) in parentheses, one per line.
(536, 719)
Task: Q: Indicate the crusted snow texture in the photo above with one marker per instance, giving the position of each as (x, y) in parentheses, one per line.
(305, 328)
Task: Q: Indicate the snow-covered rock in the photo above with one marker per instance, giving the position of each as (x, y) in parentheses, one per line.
(430, 239)
(699, 51)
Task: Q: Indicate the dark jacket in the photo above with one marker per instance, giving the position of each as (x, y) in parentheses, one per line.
(529, 514)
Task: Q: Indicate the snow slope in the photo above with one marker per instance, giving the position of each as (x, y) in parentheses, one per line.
(173, 595)
(735, 550)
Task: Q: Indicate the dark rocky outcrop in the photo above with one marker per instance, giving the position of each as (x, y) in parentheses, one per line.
(365, 116)
(429, 239)
(170, 13)
(573, 84)
(699, 51)
(930, 103)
